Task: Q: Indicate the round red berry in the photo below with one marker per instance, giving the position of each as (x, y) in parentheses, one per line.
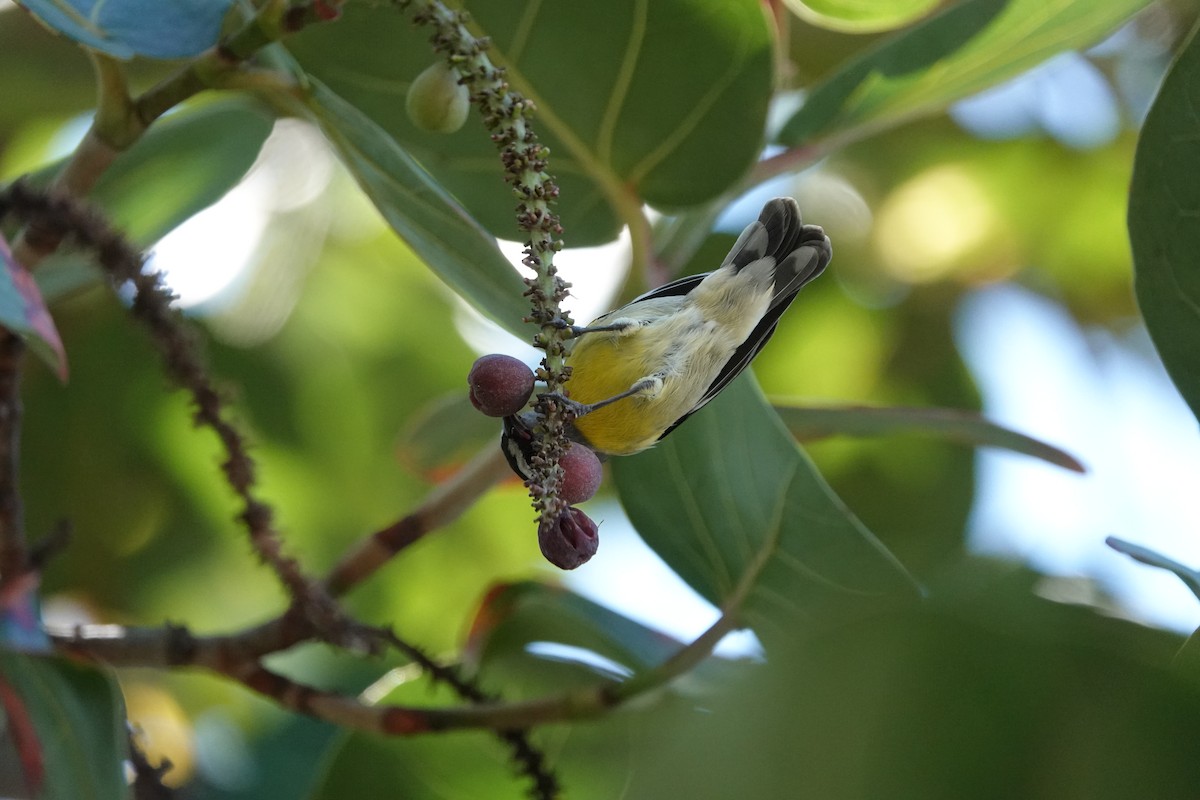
(499, 385)
(581, 474)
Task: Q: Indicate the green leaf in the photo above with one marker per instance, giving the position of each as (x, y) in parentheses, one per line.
(441, 436)
(513, 615)
(127, 28)
(1189, 576)
(969, 47)
(814, 422)
(1164, 202)
(667, 84)
(861, 16)
(732, 504)
(23, 311)
(184, 163)
(79, 723)
(434, 225)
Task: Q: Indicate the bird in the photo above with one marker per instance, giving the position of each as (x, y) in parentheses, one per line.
(641, 370)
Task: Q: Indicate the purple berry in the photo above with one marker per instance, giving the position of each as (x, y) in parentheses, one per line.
(500, 385)
(581, 474)
(570, 540)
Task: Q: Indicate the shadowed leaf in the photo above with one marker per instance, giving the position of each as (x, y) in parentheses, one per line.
(432, 222)
(443, 435)
(514, 614)
(78, 719)
(733, 505)
(1164, 203)
(667, 83)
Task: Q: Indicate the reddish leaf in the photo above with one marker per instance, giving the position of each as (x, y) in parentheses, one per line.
(23, 311)
(24, 736)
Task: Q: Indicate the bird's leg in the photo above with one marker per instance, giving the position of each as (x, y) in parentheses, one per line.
(620, 325)
(650, 385)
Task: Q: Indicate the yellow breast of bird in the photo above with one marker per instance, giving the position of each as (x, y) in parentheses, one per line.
(685, 349)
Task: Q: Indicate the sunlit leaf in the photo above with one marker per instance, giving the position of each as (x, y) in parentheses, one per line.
(816, 422)
(667, 85)
(184, 163)
(127, 28)
(79, 721)
(434, 225)
(23, 311)
(1164, 203)
(733, 506)
(861, 16)
(969, 47)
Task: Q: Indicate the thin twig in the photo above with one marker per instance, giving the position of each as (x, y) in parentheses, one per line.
(141, 647)
(443, 505)
(152, 306)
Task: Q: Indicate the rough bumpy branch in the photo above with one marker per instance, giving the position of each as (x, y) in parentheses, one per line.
(506, 113)
(152, 306)
(13, 554)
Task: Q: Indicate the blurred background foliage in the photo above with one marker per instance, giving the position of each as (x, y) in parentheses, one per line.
(331, 338)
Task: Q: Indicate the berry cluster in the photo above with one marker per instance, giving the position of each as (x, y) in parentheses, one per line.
(500, 386)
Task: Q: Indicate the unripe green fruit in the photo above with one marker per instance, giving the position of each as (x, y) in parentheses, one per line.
(436, 102)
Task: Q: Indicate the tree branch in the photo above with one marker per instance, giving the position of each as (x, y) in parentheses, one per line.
(444, 504)
(13, 551)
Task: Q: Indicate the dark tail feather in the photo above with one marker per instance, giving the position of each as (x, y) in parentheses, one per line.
(801, 251)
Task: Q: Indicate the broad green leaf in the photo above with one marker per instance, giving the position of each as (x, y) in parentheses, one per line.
(514, 614)
(592, 758)
(434, 225)
(184, 163)
(940, 700)
(23, 311)
(1187, 658)
(443, 435)
(815, 422)
(1146, 555)
(969, 47)
(861, 16)
(669, 85)
(1164, 201)
(79, 722)
(127, 28)
(732, 504)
